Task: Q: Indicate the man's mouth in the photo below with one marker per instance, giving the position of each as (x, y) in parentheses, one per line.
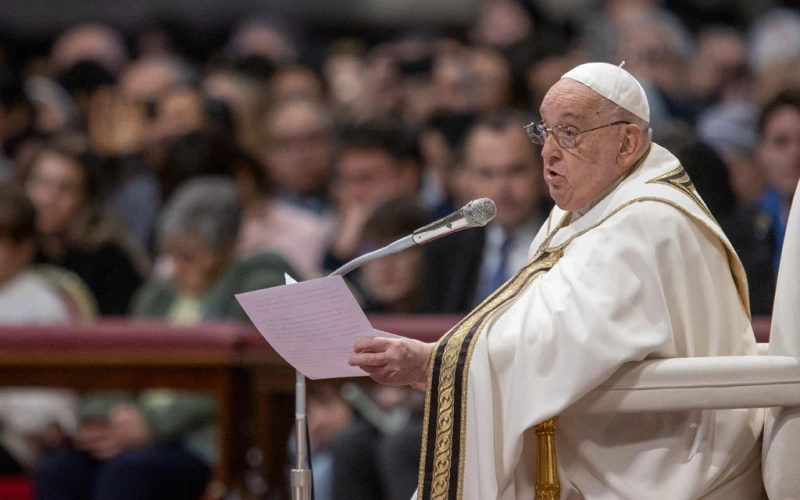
(551, 174)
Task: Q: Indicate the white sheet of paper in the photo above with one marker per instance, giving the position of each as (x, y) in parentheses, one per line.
(313, 325)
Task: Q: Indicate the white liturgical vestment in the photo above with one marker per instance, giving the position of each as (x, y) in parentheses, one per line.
(643, 273)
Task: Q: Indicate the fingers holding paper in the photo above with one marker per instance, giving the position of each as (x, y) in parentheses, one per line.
(393, 361)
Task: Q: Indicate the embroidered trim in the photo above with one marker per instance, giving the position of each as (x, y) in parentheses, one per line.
(680, 180)
(441, 478)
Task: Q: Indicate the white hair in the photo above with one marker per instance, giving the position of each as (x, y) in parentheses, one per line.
(206, 208)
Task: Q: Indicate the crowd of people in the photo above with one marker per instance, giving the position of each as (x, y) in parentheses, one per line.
(136, 180)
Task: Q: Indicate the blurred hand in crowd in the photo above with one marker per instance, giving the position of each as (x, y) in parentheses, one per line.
(125, 429)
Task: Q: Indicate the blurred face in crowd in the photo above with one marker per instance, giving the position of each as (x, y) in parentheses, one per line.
(262, 40)
(56, 186)
(779, 149)
(501, 23)
(720, 58)
(299, 146)
(145, 80)
(196, 266)
(368, 177)
(651, 53)
(394, 280)
(503, 165)
(181, 112)
(452, 85)
(296, 81)
(89, 42)
(577, 175)
(492, 75)
(626, 10)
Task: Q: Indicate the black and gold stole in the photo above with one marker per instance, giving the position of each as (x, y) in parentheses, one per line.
(445, 425)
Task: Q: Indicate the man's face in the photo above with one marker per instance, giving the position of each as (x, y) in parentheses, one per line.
(502, 165)
(779, 149)
(368, 177)
(576, 176)
(299, 148)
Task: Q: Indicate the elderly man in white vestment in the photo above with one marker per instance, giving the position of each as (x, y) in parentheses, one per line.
(630, 265)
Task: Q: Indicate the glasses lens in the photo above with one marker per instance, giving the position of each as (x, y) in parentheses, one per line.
(535, 133)
(565, 138)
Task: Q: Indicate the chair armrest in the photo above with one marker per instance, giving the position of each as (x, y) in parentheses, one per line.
(685, 384)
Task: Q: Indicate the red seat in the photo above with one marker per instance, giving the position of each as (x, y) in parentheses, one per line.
(16, 488)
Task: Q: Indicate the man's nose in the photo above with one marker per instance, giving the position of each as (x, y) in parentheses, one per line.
(550, 148)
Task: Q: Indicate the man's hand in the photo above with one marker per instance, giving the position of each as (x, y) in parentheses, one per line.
(393, 361)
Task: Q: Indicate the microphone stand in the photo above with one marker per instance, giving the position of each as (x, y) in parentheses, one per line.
(301, 478)
(475, 213)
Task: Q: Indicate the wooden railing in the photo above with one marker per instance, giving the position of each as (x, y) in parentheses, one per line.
(253, 385)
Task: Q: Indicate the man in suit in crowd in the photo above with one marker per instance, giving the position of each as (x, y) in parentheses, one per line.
(501, 163)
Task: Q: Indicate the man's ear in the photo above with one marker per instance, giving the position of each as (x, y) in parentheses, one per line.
(632, 140)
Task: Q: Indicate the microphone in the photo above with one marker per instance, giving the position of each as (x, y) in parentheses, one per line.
(476, 213)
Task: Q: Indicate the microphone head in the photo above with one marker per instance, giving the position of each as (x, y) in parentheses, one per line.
(479, 212)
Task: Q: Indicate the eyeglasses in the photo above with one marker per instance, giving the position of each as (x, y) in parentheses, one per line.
(565, 137)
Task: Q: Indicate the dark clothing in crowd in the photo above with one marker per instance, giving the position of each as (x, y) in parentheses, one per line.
(753, 244)
(158, 472)
(9, 466)
(754, 247)
(451, 271)
(107, 270)
(368, 465)
(776, 215)
(135, 196)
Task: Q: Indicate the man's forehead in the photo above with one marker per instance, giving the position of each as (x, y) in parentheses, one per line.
(568, 99)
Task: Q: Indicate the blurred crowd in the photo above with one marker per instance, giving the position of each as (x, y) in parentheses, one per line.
(138, 178)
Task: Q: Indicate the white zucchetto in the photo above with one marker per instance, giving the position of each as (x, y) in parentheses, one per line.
(615, 84)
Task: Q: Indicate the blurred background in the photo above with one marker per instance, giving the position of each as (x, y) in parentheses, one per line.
(157, 158)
